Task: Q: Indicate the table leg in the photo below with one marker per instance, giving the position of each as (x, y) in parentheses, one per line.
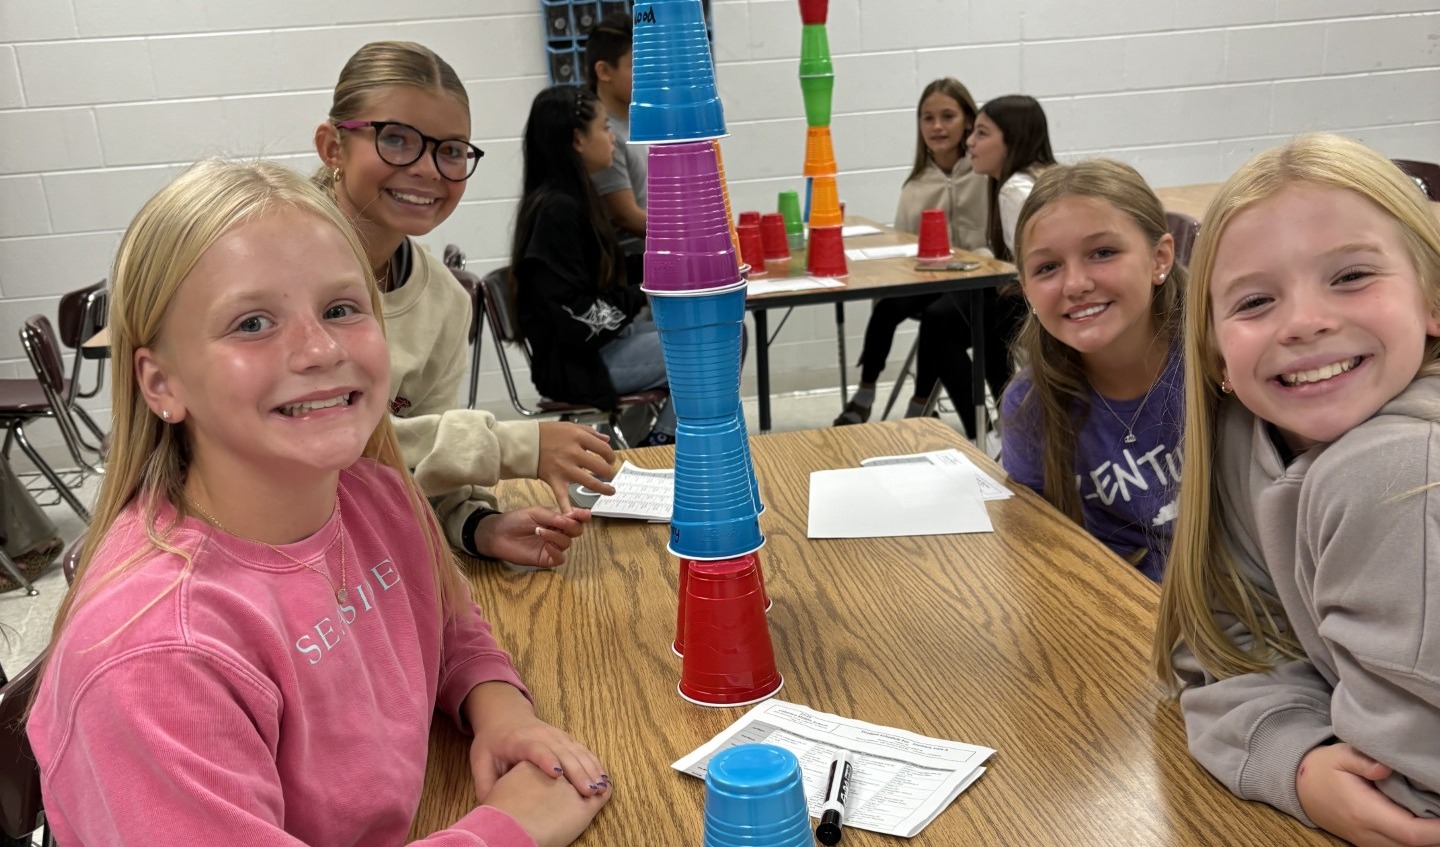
(840, 342)
(977, 363)
(762, 366)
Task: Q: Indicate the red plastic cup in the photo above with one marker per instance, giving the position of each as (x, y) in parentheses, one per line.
(678, 646)
(772, 236)
(747, 218)
(729, 660)
(934, 235)
(827, 252)
(814, 11)
(752, 248)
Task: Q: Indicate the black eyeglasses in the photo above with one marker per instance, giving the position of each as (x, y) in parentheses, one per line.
(401, 144)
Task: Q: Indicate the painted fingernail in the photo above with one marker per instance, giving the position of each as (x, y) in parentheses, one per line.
(594, 787)
(605, 776)
(559, 769)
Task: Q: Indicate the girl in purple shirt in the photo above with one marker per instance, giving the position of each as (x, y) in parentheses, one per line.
(1093, 421)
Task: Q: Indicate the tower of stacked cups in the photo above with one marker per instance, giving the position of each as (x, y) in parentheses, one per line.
(826, 256)
(697, 296)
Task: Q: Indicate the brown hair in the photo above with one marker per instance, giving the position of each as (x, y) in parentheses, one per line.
(955, 90)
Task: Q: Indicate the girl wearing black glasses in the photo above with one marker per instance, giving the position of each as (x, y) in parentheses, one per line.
(397, 153)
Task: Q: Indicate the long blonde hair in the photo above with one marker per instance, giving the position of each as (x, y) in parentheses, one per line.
(386, 64)
(1059, 391)
(148, 457)
(1202, 574)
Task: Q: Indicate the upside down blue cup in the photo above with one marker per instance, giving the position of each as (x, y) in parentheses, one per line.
(755, 795)
(716, 514)
(673, 95)
(701, 335)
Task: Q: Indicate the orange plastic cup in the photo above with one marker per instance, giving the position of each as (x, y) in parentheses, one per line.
(725, 191)
(825, 203)
(819, 152)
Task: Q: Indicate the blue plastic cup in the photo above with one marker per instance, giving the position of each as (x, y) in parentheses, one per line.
(673, 94)
(715, 514)
(701, 335)
(750, 463)
(754, 796)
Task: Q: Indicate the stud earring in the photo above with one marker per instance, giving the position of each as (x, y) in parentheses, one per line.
(1226, 387)
(335, 175)
(1162, 276)
(165, 414)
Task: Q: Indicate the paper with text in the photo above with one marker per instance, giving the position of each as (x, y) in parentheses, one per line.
(640, 493)
(989, 488)
(899, 781)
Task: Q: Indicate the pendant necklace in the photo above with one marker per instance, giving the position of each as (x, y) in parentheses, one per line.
(340, 593)
(1130, 427)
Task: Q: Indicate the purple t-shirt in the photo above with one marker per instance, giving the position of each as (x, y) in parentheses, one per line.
(1129, 492)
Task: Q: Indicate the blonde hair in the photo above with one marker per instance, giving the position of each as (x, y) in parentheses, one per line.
(386, 64)
(1202, 575)
(1059, 391)
(147, 459)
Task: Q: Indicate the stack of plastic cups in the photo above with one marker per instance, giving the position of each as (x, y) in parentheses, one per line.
(697, 297)
(755, 795)
(826, 256)
(725, 189)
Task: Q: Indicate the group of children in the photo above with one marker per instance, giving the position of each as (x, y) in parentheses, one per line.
(288, 474)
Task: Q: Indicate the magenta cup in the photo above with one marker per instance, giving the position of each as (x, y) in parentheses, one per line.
(729, 659)
(673, 94)
(715, 514)
(679, 644)
(755, 795)
(700, 337)
(687, 231)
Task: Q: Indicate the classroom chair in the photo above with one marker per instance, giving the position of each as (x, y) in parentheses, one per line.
(84, 312)
(21, 808)
(455, 261)
(1425, 174)
(503, 329)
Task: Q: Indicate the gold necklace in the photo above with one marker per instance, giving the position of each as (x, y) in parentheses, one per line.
(340, 592)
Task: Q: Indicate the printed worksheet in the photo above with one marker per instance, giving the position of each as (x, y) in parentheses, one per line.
(640, 494)
(989, 488)
(856, 230)
(899, 781)
(892, 251)
(791, 283)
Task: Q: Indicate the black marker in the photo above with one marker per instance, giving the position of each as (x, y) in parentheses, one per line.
(832, 814)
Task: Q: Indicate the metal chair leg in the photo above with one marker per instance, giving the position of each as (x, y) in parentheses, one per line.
(49, 473)
(15, 573)
(905, 371)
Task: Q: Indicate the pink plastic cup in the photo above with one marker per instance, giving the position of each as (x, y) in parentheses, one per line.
(688, 245)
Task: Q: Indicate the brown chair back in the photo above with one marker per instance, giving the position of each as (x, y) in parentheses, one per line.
(82, 314)
(1425, 174)
(20, 804)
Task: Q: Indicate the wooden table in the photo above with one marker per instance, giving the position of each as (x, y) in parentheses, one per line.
(869, 279)
(1034, 640)
(1194, 199)
(97, 346)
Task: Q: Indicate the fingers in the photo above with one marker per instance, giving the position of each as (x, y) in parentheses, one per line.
(563, 757)
(482, 768)
(566, 525)
(562, 494)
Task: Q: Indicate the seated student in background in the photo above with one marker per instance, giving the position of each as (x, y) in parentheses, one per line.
(941, 178)
(1296, 611)
(1010, 146)
(582, 317)
(608, 68)
(1092, 421)
(266, 615)
(397, 158)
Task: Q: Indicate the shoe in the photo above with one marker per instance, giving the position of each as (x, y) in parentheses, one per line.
(657, 439)
(853, 414)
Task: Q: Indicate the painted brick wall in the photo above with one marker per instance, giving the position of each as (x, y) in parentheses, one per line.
(101, 102)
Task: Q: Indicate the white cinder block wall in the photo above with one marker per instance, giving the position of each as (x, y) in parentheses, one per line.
(101, 102)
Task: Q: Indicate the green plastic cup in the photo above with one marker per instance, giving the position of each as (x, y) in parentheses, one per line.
(818, 91)
(789, 208)
(815, 51)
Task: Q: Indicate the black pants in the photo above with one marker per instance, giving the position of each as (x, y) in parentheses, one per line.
(945, 337)
(886, 314)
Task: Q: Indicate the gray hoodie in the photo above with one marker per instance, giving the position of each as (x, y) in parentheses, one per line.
(1342, 538)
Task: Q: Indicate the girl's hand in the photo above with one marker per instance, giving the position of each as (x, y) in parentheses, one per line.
(547, 808)
(508, 733)
(1336, 785)
(574, 453)
(534, 536)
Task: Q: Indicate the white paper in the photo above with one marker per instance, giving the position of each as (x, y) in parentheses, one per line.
(858, 229)
(896, 500)
(890, 251)
(790, 283)
(989, 488)
(640, 493)
(899, 781)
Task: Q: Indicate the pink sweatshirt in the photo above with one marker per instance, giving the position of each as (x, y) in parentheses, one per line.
(247, 706)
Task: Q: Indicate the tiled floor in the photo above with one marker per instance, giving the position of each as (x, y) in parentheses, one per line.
(25, 621)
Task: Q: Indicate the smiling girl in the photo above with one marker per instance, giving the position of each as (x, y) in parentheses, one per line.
(1295, 614)
(1093, 422)
(397, 154)
(941, 178)
(265, 615)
